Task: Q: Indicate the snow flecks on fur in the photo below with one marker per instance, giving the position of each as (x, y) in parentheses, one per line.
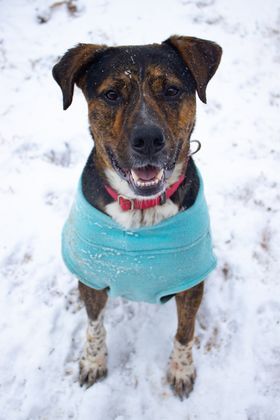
(93, 363)
(181, 371)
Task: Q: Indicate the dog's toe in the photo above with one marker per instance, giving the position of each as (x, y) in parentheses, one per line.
(181, 379)
(91, 370)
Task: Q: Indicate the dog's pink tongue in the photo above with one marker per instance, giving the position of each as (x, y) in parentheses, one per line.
(147, 173)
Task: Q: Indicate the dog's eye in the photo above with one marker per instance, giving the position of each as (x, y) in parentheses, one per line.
(112, 95)
(171, 91)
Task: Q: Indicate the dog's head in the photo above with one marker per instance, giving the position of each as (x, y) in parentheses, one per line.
(141, 103)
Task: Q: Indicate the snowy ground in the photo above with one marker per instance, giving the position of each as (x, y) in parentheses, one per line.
(43, 150)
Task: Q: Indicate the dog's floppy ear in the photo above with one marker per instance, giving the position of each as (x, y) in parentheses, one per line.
(202, 58)
(67, 71)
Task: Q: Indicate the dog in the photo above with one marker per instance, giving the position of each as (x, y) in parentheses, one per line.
(140, 208)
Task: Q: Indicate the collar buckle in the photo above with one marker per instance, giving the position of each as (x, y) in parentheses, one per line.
(125, 199)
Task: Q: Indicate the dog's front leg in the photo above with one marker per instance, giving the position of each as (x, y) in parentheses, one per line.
(93, 363)
(181, 371)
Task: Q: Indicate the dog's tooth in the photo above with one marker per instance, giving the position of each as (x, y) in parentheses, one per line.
(134, 176)
(159, 175)
(140, 183)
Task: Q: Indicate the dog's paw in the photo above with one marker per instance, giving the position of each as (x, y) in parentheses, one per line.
(181, 372)
(181, 378)
(92, 368)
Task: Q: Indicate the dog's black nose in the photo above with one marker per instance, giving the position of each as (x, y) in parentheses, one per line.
(147, 140)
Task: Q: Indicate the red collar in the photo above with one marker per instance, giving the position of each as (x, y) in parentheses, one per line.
(132, 204)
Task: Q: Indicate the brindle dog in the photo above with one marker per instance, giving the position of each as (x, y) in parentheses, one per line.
(141, 107)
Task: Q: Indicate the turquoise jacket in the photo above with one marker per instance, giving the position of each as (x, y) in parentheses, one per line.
(145, 264)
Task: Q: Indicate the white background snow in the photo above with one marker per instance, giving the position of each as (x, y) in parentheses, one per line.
(43, 150)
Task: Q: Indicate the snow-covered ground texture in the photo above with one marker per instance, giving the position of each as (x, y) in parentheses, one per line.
(43, 150)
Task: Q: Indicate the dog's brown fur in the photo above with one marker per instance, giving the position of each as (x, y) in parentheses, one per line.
(141, 89)
(94, 302)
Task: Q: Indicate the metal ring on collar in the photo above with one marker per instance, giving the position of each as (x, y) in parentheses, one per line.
(197, 148)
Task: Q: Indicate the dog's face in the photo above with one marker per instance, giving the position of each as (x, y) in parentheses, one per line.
(141, 110)
(141, 102)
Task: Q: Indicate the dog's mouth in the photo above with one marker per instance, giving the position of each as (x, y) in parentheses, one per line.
(144, 180)
(147, 180)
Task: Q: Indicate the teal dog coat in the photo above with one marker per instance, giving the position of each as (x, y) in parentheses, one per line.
(145, 264)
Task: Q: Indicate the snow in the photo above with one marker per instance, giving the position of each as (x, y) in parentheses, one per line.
(43, 150)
